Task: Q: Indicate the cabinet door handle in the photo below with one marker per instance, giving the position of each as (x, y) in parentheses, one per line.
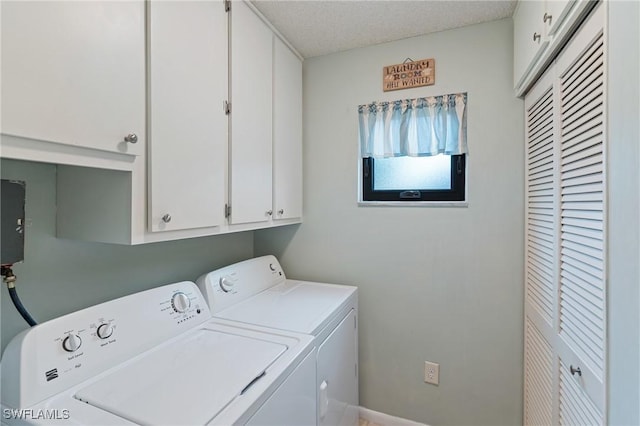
(546, 18)
(131, 138)
(575, 370)
(269, 212)
(166, 218)
(281, 211)
(536, 37)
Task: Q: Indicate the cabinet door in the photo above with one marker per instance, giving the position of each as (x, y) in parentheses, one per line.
(73, 73)
(529, 39)
(187, 122)
(251, 116)
(287, 132)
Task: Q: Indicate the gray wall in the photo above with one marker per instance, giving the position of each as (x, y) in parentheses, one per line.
(624, 219)
(438, 284)
(60, 276)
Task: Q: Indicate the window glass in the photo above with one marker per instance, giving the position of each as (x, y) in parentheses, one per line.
(437, 178)
(401, 173)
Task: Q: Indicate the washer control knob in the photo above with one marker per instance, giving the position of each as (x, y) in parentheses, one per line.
(180, 302)
(226, 284)
(105, 330)
(71, 343)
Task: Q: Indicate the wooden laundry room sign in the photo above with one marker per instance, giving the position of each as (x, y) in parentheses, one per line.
(409, 74)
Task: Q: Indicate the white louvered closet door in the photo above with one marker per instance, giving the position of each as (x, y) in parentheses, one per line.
(565, 305)
(582, 320)
(541, 252)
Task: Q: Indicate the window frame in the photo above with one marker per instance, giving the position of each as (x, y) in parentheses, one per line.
(457, 192)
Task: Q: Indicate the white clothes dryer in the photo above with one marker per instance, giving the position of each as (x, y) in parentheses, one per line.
(157, 358)
(257, 292)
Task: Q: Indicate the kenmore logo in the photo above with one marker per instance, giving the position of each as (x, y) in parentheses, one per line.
(51, 374)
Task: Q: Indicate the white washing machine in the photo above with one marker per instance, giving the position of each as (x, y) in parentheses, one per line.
(157, 358)
(256, 291)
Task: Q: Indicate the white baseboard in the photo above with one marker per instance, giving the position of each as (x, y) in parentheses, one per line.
(385, 419)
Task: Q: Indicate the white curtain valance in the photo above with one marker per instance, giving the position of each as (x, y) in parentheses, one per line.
(414, 127)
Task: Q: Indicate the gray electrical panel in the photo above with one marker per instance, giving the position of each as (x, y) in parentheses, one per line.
(12, 217)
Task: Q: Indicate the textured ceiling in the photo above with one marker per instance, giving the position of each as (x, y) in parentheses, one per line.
(317, 28)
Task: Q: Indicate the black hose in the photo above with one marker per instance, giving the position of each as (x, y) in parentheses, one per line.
(10, 279)
(20, 307)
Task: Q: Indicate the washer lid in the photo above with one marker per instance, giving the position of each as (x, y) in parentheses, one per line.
(300, 306)
(188, 381)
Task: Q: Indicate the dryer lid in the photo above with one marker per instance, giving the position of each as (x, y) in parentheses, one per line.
(189, 381)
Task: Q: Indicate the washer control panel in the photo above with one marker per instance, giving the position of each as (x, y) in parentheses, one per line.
(68, 350)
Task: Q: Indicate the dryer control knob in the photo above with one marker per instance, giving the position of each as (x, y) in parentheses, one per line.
(226, 284)
(71, 343)
(180, 302)
(105, 330)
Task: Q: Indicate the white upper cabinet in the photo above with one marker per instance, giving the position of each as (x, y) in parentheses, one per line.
(287, 133)
(73, 73)
(540, 30)
(251, 117)
(188, 84)
(529, 36)
(81, 77)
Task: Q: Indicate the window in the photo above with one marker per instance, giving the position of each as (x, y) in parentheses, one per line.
(436, 178)
(414, 149)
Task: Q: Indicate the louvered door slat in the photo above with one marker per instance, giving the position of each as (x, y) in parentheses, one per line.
(585, 188)
(540, 205)
(575, 73)
(541, 186)
(544, 225)
(581, 180)
(590, 281)
(591, 136)
(583, 325)
(582, 152)
(538, 377)
(582, 160)
(589, 251)
(538, 132)
(583, 86)
(589, 101)
(573, 334)
(584, 299)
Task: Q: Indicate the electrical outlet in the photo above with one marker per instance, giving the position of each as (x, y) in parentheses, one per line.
(431, 373)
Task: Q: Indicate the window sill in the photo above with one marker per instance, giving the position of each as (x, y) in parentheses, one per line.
(413, 204)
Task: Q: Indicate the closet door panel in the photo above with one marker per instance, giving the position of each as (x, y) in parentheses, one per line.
(582, 287)
(541, 264)
(541, 232)
(565, 276)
